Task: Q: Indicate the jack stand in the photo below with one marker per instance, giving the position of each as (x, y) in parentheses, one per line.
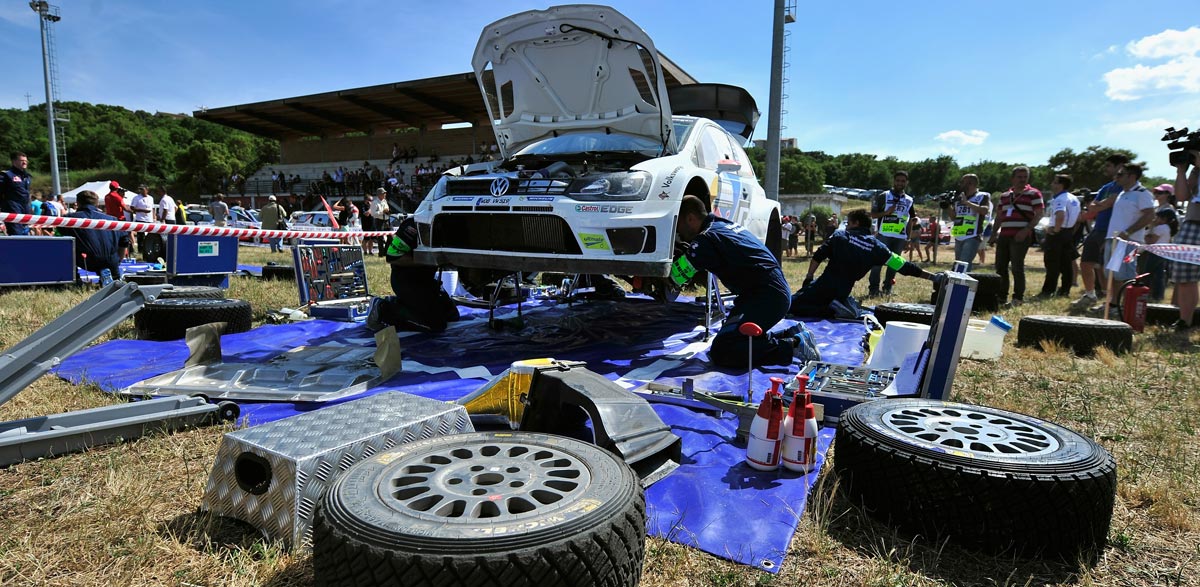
(712, 300)
(72, 431)
(520, 320)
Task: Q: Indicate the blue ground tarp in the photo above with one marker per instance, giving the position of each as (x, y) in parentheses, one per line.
(713, 502)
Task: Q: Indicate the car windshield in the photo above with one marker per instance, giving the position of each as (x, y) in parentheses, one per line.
(682, 128)
(591, 142)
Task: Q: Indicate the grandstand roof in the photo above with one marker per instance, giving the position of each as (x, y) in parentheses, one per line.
(431, 101)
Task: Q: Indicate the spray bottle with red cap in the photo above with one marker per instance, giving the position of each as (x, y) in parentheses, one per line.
(800, 431)
(766, 431)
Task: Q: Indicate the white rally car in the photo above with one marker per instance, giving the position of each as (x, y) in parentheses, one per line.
(594, 165)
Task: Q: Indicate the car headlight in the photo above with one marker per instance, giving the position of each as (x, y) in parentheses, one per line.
(632, 185)
(438, 191)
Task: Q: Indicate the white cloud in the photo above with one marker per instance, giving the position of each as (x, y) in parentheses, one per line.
(1169, 43)
(963, 138)
(1139, 126)
(1179, 75)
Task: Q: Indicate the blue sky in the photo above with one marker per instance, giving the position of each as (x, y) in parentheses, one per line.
(1013, 81)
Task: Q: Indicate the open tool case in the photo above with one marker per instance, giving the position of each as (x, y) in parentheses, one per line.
(332, 280)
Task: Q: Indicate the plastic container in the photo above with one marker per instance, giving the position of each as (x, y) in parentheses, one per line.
(899, 340)
(766, 434)
(984, 340)
(800, 440)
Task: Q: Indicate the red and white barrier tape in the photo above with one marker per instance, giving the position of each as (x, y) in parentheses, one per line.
(205, 230)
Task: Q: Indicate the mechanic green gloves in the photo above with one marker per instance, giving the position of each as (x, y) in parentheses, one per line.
(682, 270)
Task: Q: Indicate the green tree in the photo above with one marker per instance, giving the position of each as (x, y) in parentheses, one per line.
(1086, 167)
(800, 175)
(933, 176)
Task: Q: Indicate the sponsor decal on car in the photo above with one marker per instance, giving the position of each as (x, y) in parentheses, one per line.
(493, 201)
(593, 241)
(670, 178)
(538, 198)
(462, 199)
(604, 209)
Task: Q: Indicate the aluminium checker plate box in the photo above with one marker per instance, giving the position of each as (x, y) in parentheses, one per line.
(272, 476)
(332, 281)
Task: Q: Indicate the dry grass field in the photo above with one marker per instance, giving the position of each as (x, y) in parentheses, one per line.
(127, 514)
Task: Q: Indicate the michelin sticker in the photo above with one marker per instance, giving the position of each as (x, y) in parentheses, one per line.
(537, 198)
(463, 199)
(593, 241)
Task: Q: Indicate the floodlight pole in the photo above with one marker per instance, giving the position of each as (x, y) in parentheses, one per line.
(776, 102)
(43, 9)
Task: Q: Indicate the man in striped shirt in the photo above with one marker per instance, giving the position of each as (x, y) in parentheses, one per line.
(1017, 212)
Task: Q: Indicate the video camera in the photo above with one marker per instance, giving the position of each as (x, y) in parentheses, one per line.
(947, 199)
(1181, 142)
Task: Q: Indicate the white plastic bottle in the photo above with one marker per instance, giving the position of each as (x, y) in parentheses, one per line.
(766, 431)
(800, 441)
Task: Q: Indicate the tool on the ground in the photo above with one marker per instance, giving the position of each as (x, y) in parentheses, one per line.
(57, 434)
(560, 397)
(750, 330)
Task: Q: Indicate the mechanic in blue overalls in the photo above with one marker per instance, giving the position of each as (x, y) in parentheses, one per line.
(420, 303)
(851, 253)
(752, 273)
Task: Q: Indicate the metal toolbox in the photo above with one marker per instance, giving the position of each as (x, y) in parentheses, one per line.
(273, 476)
(332, 281)
(840, 387)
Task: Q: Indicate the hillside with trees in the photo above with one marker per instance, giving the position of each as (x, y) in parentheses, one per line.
(804, 172)
(187, 155)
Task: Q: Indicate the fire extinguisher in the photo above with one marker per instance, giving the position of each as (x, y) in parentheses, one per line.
(1136, 294)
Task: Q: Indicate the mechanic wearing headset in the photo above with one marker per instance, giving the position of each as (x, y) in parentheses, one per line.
(750, 271)
(851, 253)
(420, 303)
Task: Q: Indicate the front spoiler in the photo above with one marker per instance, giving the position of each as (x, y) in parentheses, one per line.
(527, 263)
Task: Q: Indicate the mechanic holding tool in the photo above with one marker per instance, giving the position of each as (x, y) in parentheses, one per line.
(420, 303)
(750, 271)
(851, 253)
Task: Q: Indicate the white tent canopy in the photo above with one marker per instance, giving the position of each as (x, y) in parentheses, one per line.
(99, 187)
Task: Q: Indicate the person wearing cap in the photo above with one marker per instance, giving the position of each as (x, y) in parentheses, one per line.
(1164, 194)
(420, 303)
(377, 219)
(271, 215)
(115, 207)
(1099, 209)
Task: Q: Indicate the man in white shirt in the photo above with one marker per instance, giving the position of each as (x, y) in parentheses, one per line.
(166, 207)
(968, 216)
(786, 229)
(891, 210)
(1132, 212)
(1058, 244)
(142, 207)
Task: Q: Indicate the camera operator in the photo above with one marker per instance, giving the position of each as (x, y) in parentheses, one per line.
(1186, 275)
(969, 213)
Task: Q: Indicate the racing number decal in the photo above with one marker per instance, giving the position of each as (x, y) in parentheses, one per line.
(729, 207)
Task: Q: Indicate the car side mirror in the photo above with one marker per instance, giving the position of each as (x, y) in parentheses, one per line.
(728, 166)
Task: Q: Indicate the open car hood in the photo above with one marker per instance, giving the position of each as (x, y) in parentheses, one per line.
(579, 67)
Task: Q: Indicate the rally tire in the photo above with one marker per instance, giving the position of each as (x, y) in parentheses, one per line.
(195, 292)
(169, 319)
(1162, 314)
(775, 236)
(986, 478)
(1082, 334)
(145, 278)
(989, 292)
(283, 272)
(152, 247)
(427, 513)
(903, 312)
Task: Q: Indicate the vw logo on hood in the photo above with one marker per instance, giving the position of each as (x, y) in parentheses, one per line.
(499, 186)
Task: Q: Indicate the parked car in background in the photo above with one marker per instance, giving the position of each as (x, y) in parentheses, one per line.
(943, 231)
(313, 221)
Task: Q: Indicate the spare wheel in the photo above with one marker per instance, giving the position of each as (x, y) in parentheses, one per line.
(485, 508)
